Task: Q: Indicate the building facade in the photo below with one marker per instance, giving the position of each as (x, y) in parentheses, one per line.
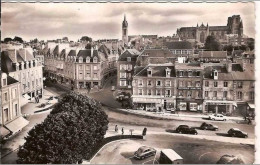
(11, 117)
(154, 88)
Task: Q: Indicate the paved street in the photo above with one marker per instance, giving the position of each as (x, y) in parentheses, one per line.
(193, 152)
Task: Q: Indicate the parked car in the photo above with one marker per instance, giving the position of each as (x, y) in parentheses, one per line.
(207, 126)
(144, 152)
(186, 130)
(218, 117)
(235, 132)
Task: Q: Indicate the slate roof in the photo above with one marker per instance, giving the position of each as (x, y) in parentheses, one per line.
(133, 53)
(218, 28)
(213, 54)
(157, 53)
(11, 80)
(178, 45)
(187, 66)
(157, 71)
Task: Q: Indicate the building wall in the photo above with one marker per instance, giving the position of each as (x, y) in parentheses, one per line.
(11, 104)
(125, 71)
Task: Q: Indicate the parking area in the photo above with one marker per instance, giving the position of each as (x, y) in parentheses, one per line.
(200, 151)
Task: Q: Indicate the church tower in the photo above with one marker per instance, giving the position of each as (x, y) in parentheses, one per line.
(125, 31)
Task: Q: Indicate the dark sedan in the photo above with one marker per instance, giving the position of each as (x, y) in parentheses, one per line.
(235, 132)
(207, 126)
(185, 129)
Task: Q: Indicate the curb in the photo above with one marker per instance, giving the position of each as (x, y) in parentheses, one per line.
(9, 153)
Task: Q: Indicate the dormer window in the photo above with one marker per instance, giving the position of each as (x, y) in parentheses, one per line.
(80, 59)
(87, 59)
(168, 72)
(4, 82)
(128, 59)
(149, 72)
(95, 60)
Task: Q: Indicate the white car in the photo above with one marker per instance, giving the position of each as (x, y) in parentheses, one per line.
(218, 117)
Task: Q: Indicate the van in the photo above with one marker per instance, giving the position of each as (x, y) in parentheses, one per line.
(169, 156)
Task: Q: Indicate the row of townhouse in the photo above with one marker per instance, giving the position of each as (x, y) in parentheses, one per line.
(194, 87)
(21, 65)
(78, 67)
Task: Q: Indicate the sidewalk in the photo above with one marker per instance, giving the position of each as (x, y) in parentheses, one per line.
(31, 107)
(166, 115)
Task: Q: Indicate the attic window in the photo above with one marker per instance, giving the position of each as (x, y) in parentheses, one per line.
(128, 59)
(4, 82)
(80, 60)
(87, 60)
(95, 60)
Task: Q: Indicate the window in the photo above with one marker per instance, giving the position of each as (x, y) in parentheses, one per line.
(80, 75)
(215, 84)
(80, 67)
(225, 94)
(129, 67)
(239, 95)
(215, 94)
(140, 82)
(189, 94)
(181, 83)
(158, 92)
(128, 59)
(181, 73)
(180, 93)
(5, 96)
(122, 67)
(206, 84)
(252, 95)
(225, 84)
(87, 59)
(6, 115)
(122, 75)
(158, 83)
(198, 74)
(4, 82)
(149, 92)
(32, 84)
(14, 93)
(95, 75)
(189, 73)
(168, 73)
(95, 67)
(16, 109)
(206, 94)
(240, 84)
(167, 92)
(87, 67)
(167, 83)
(122, 83)
(140, 92)
(189, 83)
(80, 60)
(95, 60)
(197, 83)
(149, 82)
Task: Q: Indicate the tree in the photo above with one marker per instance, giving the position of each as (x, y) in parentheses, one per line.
(68, 134)
(86, 38)
(6, 40)
(18, 39)
(212, 44)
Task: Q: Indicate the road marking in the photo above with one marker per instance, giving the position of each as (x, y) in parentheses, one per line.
(204, 154)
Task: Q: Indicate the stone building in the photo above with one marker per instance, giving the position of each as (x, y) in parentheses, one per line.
(199, 33)
(182, 49)
(212, 56)
(125, 69)
(154, 88)
(189, 86)
(22, 66)
(11, 120)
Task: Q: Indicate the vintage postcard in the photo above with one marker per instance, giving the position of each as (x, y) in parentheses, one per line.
(128, 83)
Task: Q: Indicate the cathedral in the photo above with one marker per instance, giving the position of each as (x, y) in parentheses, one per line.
(199, 33)
(125, 31)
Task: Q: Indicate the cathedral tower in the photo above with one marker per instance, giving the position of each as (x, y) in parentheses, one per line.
(125, 31)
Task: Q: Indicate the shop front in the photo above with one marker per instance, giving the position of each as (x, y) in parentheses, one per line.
(189, 105)
(217, 106)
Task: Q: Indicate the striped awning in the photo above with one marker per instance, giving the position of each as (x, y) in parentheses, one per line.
(4, 131)
(17, 124)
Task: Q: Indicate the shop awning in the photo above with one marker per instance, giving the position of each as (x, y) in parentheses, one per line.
(251, 106)
(17, 124)
(4, 131)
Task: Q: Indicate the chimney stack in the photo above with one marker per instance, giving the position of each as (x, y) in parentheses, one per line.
(229, 66)
(91, 51)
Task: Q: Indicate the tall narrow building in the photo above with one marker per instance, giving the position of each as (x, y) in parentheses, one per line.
(125, 31)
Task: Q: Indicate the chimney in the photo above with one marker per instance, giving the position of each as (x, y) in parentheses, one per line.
(91, 51)
(149, 72)
(229, 66)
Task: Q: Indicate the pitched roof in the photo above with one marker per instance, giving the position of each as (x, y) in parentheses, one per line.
(11, 80)
(133, 53)
(213, 54)
(87, 53)
(157, 71)
(178, 45)
(165, 53)
(187, 66)
(217, 28)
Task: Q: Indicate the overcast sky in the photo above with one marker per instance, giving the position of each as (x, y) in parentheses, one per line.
(104, 20)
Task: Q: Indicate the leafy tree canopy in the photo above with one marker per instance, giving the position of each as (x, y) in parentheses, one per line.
(6, 40)
(68, 134)
(212, 44)
(86, 38)
(18, 39)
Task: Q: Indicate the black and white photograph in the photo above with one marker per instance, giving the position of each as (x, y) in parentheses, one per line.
(128, 83)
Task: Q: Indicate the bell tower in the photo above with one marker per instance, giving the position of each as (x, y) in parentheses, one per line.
(125, 31)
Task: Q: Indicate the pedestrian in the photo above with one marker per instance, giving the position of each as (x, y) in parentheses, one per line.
(38, 98)
(249, 121)
(35, 99)
(116, 129)
(122, 130)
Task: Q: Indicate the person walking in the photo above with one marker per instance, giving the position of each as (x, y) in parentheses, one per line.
(116, 129)
(122, 130)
